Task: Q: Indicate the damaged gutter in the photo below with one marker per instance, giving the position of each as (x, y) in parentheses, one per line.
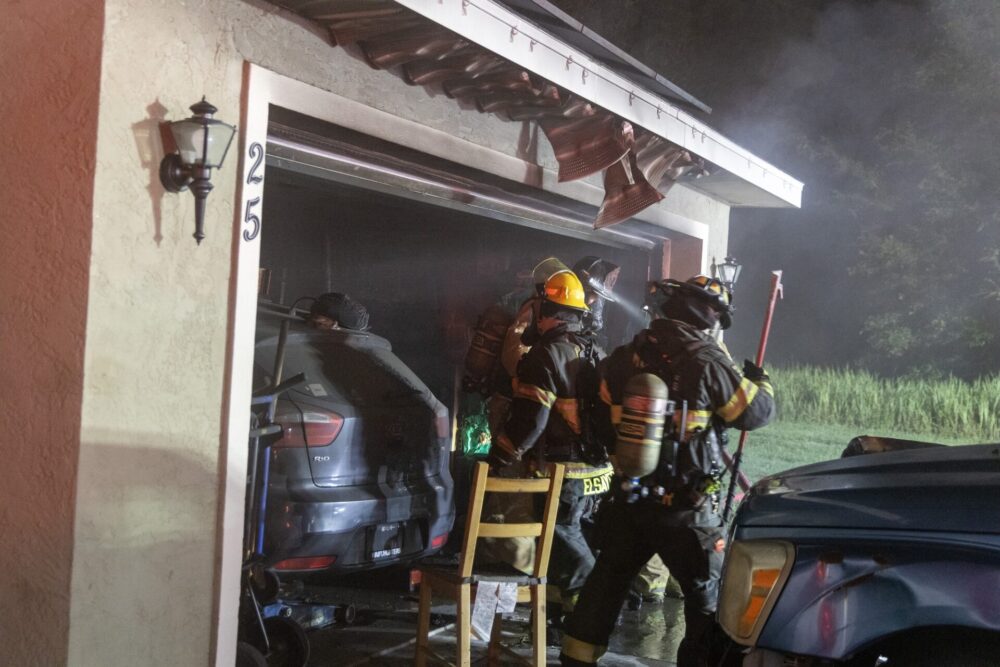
(502, 31)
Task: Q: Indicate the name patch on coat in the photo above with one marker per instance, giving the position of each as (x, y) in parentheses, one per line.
(597, 484)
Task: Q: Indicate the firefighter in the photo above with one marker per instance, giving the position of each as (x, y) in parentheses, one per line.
(598, 277)
(676, 515)
(520, 335)
(550, 420)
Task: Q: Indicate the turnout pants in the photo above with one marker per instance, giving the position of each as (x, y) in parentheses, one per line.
(629, 535)
(572, 558)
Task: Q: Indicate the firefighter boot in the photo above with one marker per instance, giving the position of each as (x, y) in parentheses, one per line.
(694, 649)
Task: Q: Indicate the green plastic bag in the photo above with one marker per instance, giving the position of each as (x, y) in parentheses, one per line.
(474, 432)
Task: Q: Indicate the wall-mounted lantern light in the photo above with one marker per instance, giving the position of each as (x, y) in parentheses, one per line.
(202, 143)
(728, 272)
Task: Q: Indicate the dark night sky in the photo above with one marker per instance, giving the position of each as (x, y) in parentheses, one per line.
(888, 111)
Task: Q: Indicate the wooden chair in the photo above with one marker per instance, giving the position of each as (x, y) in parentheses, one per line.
(460, 584)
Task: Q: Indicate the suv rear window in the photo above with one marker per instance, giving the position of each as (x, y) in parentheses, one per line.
(359, 369)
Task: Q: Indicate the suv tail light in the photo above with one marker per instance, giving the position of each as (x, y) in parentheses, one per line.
(306, 563)
(311, 426)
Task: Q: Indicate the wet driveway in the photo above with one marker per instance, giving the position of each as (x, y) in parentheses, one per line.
(385, 620)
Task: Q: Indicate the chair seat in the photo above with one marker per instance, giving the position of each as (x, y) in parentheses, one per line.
(499, 572)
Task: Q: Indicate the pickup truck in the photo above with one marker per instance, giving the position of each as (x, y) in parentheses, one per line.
(887, 556)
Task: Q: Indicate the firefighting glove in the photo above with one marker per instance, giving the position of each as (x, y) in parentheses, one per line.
(754, 373)
(499, 458)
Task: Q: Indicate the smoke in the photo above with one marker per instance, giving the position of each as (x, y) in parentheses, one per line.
(886, 111)
(636, 314)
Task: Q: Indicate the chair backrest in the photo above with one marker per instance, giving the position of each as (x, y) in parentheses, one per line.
(542, 530)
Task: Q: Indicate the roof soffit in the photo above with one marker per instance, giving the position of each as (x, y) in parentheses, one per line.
(483, 54)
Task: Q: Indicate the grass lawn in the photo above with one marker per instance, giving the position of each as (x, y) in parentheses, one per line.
(787, 444)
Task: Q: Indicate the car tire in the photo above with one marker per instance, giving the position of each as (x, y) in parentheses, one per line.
(248, 656)
(289, 644)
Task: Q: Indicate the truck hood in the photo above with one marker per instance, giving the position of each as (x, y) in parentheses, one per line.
(949, 489)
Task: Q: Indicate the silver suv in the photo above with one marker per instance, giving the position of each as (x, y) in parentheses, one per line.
(360, 476)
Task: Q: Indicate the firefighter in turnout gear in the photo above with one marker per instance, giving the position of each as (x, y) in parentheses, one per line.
(550, 419)
(516, 312)
(506, 332)
(597, 276)
(673, 511)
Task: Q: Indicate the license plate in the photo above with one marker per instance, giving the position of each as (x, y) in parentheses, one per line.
(386, 541)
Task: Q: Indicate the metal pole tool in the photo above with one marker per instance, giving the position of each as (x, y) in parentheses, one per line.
(777, 291)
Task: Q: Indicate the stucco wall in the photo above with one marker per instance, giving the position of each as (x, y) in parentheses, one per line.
(150, 474)
(52, 52)
(143, 570)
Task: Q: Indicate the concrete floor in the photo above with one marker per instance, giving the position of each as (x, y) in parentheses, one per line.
(384, 629)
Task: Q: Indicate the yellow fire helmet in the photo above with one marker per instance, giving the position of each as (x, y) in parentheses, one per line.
(565, 289)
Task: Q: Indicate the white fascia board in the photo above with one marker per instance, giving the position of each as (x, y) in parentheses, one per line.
(507, 34)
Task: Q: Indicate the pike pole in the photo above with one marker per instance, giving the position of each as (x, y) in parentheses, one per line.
(777, 291)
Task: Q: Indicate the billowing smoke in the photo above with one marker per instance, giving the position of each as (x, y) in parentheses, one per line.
(887, 111)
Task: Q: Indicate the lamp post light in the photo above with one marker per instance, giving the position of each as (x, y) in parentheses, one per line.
(202, 143)
(728, 272)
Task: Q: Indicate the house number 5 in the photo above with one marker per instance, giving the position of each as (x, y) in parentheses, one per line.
(252, 219)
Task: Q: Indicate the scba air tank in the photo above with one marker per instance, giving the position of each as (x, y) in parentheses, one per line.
(487, 339)
(640, 431)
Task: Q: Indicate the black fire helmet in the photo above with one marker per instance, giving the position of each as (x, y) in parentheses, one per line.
(700, 301)
(598, 275)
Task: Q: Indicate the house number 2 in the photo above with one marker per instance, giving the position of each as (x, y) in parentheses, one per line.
(250, 218)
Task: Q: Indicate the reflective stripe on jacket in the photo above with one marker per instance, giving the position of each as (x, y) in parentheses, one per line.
(545, 406)
(696, 369)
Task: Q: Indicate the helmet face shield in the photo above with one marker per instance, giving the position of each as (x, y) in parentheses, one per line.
(547, 268)
(656, 294)
(598, 276)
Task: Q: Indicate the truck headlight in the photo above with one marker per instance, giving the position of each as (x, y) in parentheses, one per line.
(756, 571)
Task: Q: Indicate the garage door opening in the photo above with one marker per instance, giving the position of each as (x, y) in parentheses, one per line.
(426, 230)
(424, 265)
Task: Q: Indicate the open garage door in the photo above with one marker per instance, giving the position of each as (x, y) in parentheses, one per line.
(424, 244)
